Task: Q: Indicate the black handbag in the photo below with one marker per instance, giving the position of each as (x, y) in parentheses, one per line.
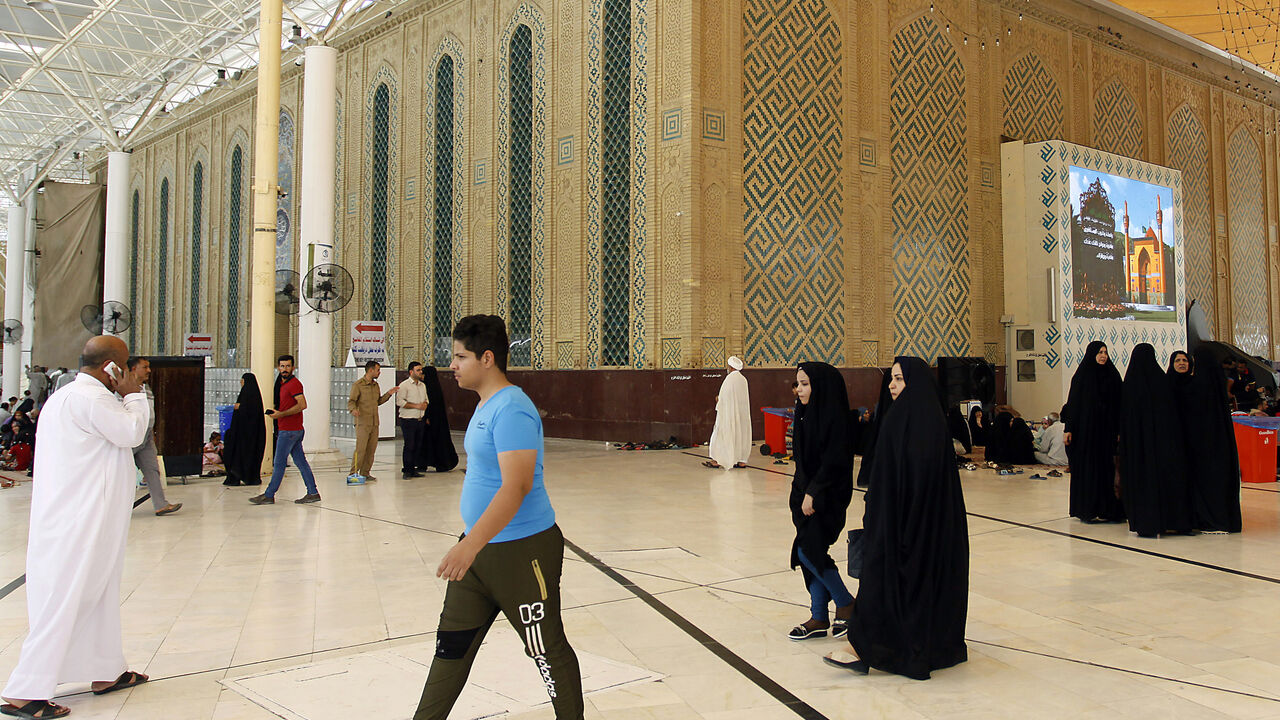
(855, 553)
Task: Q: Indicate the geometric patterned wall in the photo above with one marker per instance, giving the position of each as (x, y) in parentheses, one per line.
(929, 190)
(1117, 127)
(794, 199)
(1189, 152)
(1032, 102)
(1247, 233)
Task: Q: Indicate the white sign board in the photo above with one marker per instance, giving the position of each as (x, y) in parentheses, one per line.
(197, 345)
(368, 341)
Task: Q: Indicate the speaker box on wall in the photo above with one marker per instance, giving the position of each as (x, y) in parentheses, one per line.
(966, 378)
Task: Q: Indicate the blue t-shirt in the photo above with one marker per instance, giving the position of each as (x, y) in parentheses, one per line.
(507, 421)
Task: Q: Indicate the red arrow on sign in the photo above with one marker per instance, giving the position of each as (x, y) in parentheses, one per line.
(368, 328)
(198, 338)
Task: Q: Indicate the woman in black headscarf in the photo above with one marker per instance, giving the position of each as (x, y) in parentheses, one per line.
(820, 494)
(1020, 445)
(978, 426)
(959, 429)
(913, 594)
(437, 443)
(1213, 465)
(998, 436)
(873, 432)
(1153, 480)
(247, 437)
(1090, 432)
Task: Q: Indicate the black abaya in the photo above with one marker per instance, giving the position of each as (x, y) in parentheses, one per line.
(873, 432)
(437, 442)
(959, 429)
(998, 435)
(824, 467)
(909, 615)
(977, 428)
(246, 438)
(1020, 444)
(1153, 480)
(1213, 463)
(1094, 424)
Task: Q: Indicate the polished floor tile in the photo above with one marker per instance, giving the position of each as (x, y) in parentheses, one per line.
(676, 578)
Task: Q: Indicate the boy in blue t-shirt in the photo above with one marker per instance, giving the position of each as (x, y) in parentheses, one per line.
(508, 560)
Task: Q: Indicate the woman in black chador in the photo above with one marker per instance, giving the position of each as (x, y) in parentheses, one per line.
(1153, 480)
(1213, 466)
(1090, 431)
(437, 443)
(247, 437)
(998, 438)
(913, 595)
(820, 494)
(978, 427)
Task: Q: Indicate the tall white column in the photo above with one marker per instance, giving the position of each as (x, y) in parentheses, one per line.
(29, 283)
(315, 329)
(15, 263)
(115, 256)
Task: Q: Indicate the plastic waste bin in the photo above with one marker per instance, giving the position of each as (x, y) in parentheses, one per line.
(1256, 442)
(224, 418)
(776, 422)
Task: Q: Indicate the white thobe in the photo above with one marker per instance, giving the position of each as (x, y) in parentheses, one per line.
(731, 438)
(81, 500)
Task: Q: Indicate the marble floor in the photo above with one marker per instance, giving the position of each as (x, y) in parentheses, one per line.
(680, 573)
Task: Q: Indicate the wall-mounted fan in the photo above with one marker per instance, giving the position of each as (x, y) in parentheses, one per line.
(328, 288)
(12, 331)
(113, 317)
(286, 292)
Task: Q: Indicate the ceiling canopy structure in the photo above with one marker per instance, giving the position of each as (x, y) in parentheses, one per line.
(1247, 29)
(82, 74)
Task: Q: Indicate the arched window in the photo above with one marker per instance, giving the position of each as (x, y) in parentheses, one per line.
(520, 265)
(615, 205)
(197, 213)
(162, 270)
(234, 243)
(442, 202)
(380, 175)
(135, 222)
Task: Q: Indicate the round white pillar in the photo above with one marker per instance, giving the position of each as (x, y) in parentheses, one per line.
(29, 283)
(15, 263)
(315, 329)
(115, 255)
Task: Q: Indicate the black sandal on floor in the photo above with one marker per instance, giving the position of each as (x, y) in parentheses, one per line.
(36, 710)
(846, 661)
(127, 679)
(800, 632)
(711, 464)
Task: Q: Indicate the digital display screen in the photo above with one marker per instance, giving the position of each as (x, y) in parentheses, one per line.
(1122, 248)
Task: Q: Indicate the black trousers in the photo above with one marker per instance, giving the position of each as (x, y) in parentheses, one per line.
(414, 431)
(521, 580)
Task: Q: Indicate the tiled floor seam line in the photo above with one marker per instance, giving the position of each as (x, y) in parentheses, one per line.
(22, 579)
(1100, 666)
(1140, 551)
(732, 659)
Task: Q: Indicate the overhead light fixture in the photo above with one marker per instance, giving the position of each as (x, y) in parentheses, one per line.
(40, 4)
(296, 39)
(222, 78)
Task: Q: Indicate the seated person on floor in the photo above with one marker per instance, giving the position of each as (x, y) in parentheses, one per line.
(212, 457)
(998, 438)
(1050, 448)
(1020, 445)
(16, 458)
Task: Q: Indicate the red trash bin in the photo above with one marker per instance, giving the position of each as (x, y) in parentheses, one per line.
(776, 421)
(1256, 442)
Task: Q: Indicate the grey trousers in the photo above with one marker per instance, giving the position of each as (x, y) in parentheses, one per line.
(144, 457)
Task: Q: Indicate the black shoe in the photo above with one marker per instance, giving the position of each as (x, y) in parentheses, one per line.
(308, 498)
(262, 500)
(411, 473)
(800, 632)
(857, 665)
(231, 483)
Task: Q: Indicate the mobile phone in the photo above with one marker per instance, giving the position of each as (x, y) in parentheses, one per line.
(113, 370)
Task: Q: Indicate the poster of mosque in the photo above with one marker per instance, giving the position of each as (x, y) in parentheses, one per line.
(1122, 248)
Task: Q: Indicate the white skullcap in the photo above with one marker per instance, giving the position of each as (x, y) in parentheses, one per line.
(736, 363)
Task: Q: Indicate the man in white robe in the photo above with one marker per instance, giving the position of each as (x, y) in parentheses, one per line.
(81, 500)
(731, 438)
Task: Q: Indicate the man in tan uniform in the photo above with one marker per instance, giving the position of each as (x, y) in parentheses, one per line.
(363, 404)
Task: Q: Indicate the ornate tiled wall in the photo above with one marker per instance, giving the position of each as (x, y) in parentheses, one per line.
(930, 212)
(810, 178)
(793, 106)
(1249, 302)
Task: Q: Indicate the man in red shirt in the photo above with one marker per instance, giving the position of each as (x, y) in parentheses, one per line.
(289, 405)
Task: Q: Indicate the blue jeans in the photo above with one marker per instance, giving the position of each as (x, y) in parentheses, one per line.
(825, 587)
(289, 443)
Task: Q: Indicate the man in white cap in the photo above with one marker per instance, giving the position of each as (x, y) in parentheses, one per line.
(731, 438)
